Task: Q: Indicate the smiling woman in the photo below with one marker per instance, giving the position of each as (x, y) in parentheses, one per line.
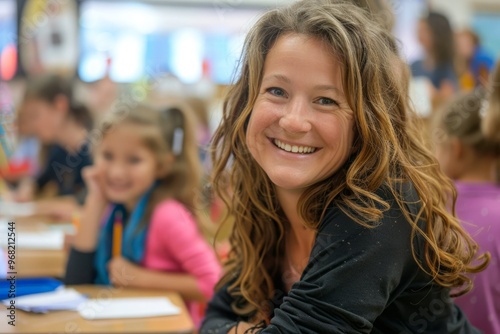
(299, 107)
(340, 220)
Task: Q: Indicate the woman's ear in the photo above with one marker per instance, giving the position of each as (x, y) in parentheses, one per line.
(164, 165)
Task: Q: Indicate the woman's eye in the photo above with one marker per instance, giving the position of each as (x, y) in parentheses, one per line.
(327, 101)
(276, 91)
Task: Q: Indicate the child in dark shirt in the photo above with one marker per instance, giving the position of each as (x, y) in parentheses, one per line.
(62, 125)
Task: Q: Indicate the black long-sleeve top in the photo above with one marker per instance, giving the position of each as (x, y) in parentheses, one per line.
(80, 268)
(358, 280)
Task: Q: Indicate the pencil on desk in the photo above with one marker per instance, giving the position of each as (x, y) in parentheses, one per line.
(117, 235)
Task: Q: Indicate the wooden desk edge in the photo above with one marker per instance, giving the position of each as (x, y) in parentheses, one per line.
(24, 326)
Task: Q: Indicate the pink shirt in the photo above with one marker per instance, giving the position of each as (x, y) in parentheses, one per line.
(174, 244)
(478, 206)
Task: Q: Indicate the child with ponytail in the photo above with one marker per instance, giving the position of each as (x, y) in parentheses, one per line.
(468, 149)
(146, 177)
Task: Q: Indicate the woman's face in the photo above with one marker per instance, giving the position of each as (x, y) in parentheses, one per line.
(41, 119)
(301, 127)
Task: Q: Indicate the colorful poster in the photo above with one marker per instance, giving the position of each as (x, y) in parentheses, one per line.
(48, 38)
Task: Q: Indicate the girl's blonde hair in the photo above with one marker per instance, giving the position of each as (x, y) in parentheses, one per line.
(158, 130)
(387, 152)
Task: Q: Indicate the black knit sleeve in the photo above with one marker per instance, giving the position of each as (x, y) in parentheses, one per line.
(80, 268)
(219, 317)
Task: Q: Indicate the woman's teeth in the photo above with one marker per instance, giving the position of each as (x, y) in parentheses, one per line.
(294, 148)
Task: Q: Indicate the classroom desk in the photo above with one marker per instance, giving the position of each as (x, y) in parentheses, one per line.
(38, 262)
(71, 322)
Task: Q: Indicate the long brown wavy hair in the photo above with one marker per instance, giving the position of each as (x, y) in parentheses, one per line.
(388, 151)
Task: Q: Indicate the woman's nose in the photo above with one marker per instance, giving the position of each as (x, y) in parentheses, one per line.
(295, 118)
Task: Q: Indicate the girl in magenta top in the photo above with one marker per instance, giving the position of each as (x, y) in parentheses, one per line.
(143, 190)
(468, 149)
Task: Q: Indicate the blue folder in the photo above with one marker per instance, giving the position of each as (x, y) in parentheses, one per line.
(27, 286)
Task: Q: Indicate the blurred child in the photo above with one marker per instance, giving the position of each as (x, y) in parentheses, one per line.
(471, 158)
(62, 124)
(436, 38)
(474, 63)
(147, 176)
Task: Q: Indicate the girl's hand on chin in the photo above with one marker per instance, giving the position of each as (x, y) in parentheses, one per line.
(93, 180)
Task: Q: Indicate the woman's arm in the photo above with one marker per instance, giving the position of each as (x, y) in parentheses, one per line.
(219, 316)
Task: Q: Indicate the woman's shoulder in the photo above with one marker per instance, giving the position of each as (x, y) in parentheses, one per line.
(398, 198)
(392, 227)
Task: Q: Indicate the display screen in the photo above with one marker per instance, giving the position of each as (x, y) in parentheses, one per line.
(130, 41)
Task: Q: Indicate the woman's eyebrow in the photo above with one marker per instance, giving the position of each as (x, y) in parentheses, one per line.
(328, 87)
(285, 79)
(279, 77)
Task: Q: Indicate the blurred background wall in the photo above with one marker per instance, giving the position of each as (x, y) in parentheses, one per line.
(165, 48)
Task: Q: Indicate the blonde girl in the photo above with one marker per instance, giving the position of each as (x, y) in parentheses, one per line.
(146, 177)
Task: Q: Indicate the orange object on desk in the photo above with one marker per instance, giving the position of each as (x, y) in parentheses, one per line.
(75, 221)
(117, 235)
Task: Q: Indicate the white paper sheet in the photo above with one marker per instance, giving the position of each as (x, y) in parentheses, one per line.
(14, 209)
(43, 240)
(60, 299)
(116, 308)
